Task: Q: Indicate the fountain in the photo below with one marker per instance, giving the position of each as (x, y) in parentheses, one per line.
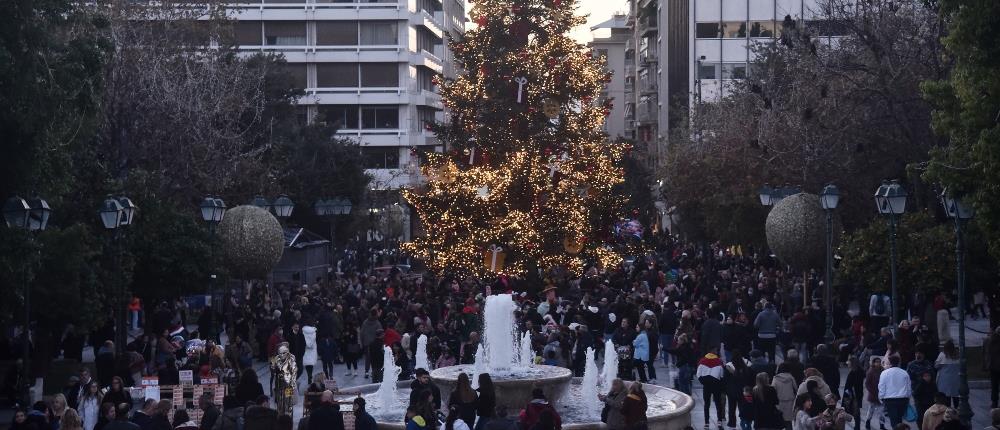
(610, 368)
(420, 357)
(507, 356)
(526, 356)
(500, 355)
(385, 397)
(588, 387)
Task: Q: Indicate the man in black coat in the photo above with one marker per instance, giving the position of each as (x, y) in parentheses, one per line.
(210, 412)
(421, 383)
(827, 365)
(327, 416)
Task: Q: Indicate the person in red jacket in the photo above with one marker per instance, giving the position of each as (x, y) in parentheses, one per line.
(533, 411)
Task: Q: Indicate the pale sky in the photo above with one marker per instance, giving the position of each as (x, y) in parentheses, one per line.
(599, 11)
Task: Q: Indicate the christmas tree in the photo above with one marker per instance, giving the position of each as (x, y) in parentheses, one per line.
(528, 177)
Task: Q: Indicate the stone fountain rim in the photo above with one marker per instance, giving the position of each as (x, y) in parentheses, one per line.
(561, 374)
(684, 406)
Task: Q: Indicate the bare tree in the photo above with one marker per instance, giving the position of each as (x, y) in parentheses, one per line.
(182, 106)
(816, 108)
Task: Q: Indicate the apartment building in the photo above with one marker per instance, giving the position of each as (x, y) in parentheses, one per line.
(367, 65)
(611, 45)
(688, 50)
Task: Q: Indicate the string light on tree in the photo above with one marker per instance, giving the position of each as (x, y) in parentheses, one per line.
(545, 195)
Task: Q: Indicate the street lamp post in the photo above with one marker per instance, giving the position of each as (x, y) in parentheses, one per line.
(890, 198)
(829, 200)
(330, 209)
(960, 213)
(212, 211)
(117, 213)
(32, 215)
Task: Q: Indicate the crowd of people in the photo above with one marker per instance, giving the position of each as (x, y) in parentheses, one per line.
(749, 331)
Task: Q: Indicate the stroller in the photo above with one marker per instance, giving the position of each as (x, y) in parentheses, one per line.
(625, 365)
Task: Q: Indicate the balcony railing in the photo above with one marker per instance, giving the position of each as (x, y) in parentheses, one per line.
(312, 5)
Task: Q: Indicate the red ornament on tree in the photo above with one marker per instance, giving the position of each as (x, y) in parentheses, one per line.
(481, 20)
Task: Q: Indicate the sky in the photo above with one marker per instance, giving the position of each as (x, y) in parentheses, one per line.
(599, 11)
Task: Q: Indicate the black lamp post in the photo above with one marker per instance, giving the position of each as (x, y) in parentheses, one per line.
(212, 211)
(829, 199)
(960, 213)
(283, 207)
(117, 213)
(890, 198)
(330, 209)
(31, 215)
(770, 196)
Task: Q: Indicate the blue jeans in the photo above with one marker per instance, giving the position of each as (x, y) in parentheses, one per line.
(684, 377)
(665, 344)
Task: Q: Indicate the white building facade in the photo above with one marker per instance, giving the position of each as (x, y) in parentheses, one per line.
(621, 63)
(366, 65)
(688, 50)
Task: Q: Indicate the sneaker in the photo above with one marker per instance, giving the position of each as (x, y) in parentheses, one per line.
(347, 373)
(366, 376)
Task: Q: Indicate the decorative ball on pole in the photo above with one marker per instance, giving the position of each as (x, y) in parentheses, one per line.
(253, 240)
(795, 230)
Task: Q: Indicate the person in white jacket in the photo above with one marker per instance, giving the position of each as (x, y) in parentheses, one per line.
(310, 356)
(90, 405)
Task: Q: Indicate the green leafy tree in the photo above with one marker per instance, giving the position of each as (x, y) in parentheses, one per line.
(967, 111)
(925, 252)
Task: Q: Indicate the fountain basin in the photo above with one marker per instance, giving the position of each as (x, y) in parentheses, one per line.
(668, 409)
(513, 390)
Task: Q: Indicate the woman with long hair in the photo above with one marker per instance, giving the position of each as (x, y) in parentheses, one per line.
(58, 408)
(803, 421)
(487, 405)
(90, 405)
(70, 420)
(947, 366)
(455, 421)
(464, 398)
(116, 393)
(765, 402)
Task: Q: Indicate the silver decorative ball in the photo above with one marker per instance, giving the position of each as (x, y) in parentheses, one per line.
(796, 231)
(253, 241)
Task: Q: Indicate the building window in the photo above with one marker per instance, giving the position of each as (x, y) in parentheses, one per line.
(337, 33)
(343, 116)
(379, 75)
(248, 33)
(427, 41)
(761, 28)
(337, 75)
(296, 72)
(381, 157)
(826, 28)
(706, 30)
(707, 71)
(425, 79)
(734, 29)
(285, 33)
(379, 117)
(734, 71)
(429, 6)
(379, 33)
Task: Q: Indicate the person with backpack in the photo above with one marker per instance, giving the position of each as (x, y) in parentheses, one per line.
(879, 306)
(232, 415)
